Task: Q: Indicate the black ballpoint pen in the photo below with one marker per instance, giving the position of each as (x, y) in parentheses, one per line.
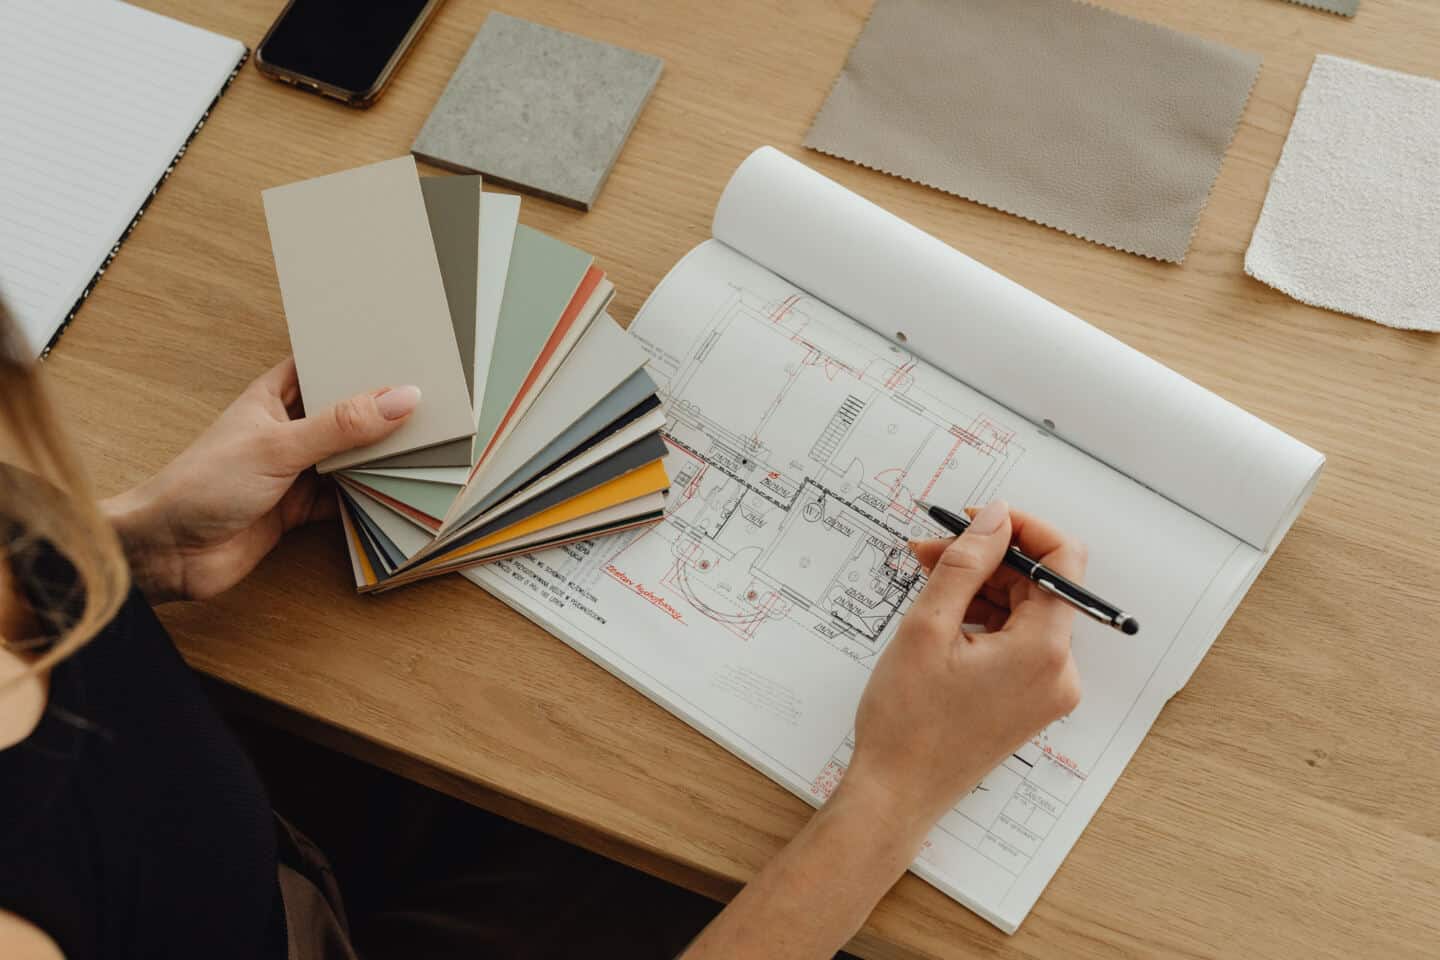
(1044, 578)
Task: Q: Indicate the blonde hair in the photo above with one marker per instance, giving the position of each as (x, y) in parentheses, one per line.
(45, 502)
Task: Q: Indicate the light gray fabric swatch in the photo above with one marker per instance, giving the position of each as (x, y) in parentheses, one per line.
(1060, 112)
(1346, 8)
(538, 109)
(1353, 211)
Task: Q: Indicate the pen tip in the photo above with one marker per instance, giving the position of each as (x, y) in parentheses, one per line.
(1130, 626)
(921, 504)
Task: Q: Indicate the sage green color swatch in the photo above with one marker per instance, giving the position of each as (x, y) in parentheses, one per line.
(431, 499)
(544, 275)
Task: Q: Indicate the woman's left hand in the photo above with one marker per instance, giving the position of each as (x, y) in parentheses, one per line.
(204, 521)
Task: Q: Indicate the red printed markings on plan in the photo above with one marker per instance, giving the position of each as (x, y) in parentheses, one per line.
(1062, 760)
(644, 593)
(829, 778)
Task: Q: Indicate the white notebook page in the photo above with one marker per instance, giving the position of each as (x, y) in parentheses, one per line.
(97, 98)
(1113, 402)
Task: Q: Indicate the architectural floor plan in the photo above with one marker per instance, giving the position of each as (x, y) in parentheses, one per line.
(792, 505)
(798, 442)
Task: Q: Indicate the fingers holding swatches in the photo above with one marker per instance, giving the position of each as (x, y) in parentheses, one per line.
(361, 420)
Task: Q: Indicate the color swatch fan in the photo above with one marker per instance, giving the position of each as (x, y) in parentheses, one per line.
(538, 424)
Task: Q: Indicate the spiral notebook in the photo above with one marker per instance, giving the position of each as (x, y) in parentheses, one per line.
(98, 101)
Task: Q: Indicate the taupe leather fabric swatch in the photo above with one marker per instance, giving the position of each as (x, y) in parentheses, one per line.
(1094, 123)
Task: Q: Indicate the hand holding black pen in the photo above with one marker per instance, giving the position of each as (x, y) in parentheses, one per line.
(1043, 577)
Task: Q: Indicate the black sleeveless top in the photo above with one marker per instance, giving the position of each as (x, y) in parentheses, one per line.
(131, 822)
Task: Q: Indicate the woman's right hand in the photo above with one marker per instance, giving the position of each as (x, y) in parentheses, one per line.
(942, 709)
(945, 705)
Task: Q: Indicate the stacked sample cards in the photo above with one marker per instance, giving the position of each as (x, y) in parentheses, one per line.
(538, 424)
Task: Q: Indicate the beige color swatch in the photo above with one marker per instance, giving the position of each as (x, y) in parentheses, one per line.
(1078, 118)
(365, 302)
(452, 205)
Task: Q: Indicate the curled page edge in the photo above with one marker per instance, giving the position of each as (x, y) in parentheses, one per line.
(1045, 364)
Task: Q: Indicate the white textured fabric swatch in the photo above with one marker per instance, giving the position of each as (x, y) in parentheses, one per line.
(1352, 219)
(1346, 8)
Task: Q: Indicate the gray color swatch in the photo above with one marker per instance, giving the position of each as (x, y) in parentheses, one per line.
(538, 109)
(452, 204)
(1060, 112)
(609, 415)
(603, 358)
(456, 453)
(386, 556)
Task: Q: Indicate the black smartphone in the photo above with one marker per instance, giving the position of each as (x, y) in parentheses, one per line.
(346, 49)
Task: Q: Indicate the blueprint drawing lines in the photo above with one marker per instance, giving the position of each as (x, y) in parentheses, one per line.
(793, 497)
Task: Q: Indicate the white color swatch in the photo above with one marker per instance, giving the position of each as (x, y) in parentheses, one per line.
(499, 214)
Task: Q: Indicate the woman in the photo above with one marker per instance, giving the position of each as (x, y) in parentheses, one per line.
(131, 823)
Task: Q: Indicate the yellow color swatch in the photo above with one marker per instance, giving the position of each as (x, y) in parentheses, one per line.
(650, 478)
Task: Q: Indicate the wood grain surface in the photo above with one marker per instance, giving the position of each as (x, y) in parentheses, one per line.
(1286, 804)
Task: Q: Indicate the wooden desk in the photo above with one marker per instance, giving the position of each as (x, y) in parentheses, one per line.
(1288, 801)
